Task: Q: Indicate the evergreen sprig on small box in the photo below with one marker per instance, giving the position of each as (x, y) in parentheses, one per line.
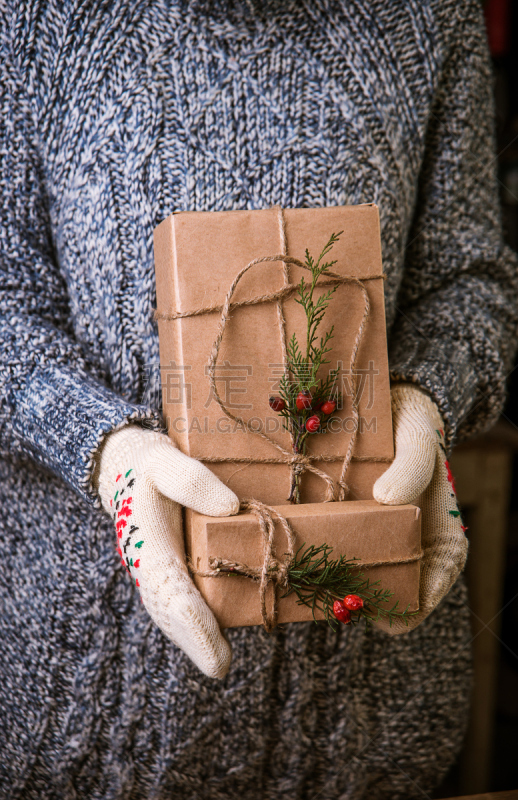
(338, 589)
(307, 401)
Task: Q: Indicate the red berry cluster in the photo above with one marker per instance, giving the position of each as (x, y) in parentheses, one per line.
(304, 402)
(342, 608)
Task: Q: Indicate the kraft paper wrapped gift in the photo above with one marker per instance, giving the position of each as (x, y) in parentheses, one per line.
(356, 529)
(197, 257)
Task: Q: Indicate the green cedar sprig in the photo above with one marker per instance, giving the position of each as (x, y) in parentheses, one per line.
(318, 580)
(305, 363)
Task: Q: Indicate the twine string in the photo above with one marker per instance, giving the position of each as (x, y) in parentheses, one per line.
(238, 568)
(269, 297)
(273, 570)
(295, 468)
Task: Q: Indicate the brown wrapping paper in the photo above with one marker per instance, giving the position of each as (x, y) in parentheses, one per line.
(197, 256)
(360, 529)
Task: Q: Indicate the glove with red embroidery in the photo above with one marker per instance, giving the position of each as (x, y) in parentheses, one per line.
(143, 481)
(420, 474)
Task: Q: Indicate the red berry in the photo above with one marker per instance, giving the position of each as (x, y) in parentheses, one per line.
(277, 403)
(303, 400)
(353, 602)
(313, 424)
(341, 612)
(328, 407)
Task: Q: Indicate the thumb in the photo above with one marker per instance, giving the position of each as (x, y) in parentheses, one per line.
(189, 483)
(415, 419)
(409, 474)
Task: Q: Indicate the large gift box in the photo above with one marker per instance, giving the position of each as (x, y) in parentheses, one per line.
(226, 307)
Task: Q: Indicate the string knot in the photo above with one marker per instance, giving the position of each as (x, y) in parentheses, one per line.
(278, 572)
(299, 459)
(343, 490)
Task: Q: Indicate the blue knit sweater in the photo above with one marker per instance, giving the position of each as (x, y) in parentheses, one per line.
(114, 114)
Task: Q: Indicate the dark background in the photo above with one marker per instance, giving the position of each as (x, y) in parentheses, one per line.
(502, 29)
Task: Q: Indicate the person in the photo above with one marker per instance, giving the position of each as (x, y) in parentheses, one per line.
(113, 116)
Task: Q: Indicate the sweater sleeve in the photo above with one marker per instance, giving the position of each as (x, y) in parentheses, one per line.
(54, 405)
(456, 328)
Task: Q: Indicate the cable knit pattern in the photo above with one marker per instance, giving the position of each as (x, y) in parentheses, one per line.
(112, 115)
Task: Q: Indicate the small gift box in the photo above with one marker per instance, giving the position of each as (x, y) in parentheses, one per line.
(385, 540)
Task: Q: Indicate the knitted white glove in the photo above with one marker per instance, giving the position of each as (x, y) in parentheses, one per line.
(143, 480)
(420, 474)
